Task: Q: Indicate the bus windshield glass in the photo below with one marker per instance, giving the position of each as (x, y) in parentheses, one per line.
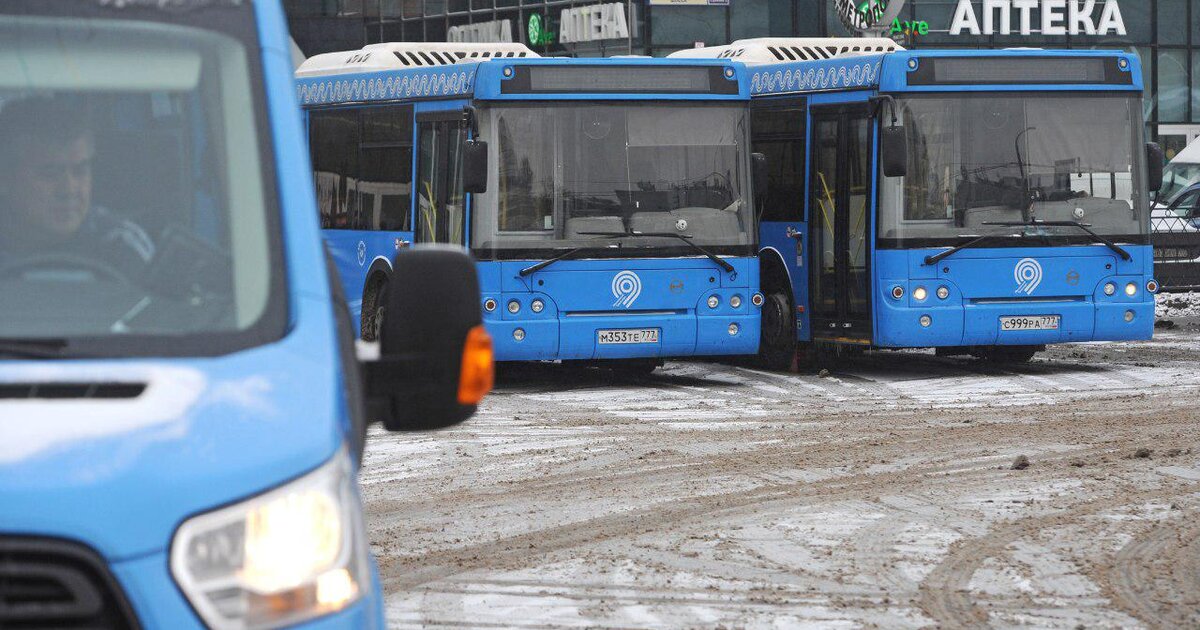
(975, 161)
(136, 215)
(571, 175)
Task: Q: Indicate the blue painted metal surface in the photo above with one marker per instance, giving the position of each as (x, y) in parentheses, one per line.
(230, 427)
(980, 281)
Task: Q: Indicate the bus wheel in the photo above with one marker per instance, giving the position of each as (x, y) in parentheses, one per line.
(1012, 354)
(777, 347)
(373, 309)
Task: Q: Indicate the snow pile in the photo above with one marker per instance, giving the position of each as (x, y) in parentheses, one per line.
(1177, 305)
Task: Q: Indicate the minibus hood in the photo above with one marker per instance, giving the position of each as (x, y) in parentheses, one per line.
(119, 470)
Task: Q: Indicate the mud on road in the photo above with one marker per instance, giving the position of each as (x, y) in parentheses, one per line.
(881, 495)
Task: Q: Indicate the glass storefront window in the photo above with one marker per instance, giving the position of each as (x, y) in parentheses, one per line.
(686, 25)
(1173, 89)
(1172, 22)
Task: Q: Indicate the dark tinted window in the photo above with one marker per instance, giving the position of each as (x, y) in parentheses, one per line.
(334, 139)
(778, 133)
(385, 187)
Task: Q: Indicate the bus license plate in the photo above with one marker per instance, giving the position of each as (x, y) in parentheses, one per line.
(1031, 322)
(627, 336)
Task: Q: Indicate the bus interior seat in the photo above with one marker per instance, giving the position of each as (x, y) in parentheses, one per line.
(578, 227)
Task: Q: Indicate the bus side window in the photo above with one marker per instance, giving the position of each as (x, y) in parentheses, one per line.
(333, 142)
(386, 155)
(777, 131)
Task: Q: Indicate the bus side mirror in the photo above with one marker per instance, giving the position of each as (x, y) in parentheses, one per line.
(434, 360)
(758, 170)
(1154, 166)
(893, 149)
(475, 166)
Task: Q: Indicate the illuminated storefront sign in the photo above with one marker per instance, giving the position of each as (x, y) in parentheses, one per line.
(539, 31)
(481, 32)
(868, 15)
(1055, 17)
(594, 23)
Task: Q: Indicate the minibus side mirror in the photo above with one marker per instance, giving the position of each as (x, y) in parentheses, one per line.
(475, 166)
(893, 151)
(758, 170)
(1154, 166)
(434, 360)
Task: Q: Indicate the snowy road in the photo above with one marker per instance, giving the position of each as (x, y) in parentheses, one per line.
(881, 495)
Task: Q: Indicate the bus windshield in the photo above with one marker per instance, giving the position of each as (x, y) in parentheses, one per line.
(982, 159)
(135, 216)
(564, 175)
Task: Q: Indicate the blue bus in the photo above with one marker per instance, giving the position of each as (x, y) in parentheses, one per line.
(182, 404)
(607, 201)
(980, 202)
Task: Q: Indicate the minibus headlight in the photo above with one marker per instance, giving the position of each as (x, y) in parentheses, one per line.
(291, 554)
(489, 305)
(514, 307)
(1110, 288)
(735, 301)
(919, 294)
(713, 301)
(943, 293)
(1152, 286)
(1131, 289)
(536, 306)
(897, 292)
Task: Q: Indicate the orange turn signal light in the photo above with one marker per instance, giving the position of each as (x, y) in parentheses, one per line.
(478, 369)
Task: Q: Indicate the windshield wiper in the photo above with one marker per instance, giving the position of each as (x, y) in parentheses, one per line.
(32, 348)
(536, 267)
(686, 238)
(937, 258)
(1075, 224)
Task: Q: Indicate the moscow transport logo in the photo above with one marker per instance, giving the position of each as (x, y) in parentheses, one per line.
(626, 287)
(1028, 275)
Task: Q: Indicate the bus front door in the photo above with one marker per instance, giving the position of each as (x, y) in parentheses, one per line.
(839, 200)
(441, 206)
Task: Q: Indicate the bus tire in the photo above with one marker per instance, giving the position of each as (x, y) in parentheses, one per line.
(777, 346)
(373, 309)
(1012, 354)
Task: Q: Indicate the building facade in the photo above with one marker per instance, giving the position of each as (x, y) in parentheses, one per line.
(1165, 33)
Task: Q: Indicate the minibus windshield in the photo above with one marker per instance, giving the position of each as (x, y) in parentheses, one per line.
(979, 160)
(136, 212)
(572, 175)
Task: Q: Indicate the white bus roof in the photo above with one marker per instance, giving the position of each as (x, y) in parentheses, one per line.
(400, 55)
(764, 50)
(1189, 155)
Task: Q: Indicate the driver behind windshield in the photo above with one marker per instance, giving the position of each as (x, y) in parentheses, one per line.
(46, 209)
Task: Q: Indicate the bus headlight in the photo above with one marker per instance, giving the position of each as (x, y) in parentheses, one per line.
(514, 307)
(757, 299)
(919, 294)
(897, 292)
(734, 329)
(1131, 289)
(713, 301)
(735, 301)
(1152, 286)
(294, 553)
(519, 334)
(1128, 316)
(489, 305)
(943, 293)
(537, 305)
(1110, 289)
(926, 321)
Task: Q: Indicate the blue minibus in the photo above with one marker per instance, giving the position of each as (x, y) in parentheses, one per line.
(182, 405)
(607, 201)
(981, 202)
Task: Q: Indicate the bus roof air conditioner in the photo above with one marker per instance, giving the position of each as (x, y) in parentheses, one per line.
(400, 55)
(762, 50)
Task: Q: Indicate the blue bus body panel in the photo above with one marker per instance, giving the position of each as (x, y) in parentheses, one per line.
(581, 298)
(896, 66)
(983, 288)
